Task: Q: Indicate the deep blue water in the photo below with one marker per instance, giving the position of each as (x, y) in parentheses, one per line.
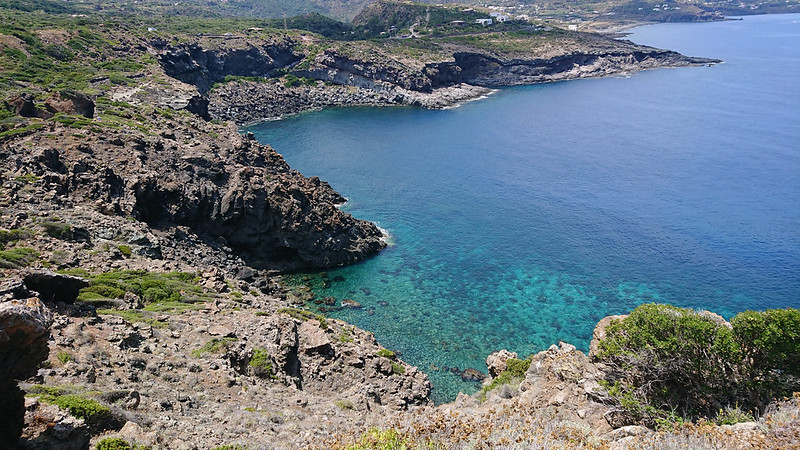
(524, 218)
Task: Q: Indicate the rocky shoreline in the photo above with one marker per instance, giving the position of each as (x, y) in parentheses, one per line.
(377, 76)
(247, 102)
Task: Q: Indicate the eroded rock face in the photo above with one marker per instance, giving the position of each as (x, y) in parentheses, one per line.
(497, 361)
(232, 190)
(564, 383)
(24, 329)
(599, 333)
(54, 287)
(70, 102)
(25, 106)
(204, 63)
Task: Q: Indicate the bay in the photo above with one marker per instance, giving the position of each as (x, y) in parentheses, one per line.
(520, 220)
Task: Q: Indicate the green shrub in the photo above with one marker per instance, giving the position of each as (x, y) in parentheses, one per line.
(663, 359)
(375, 438)
(64, 357)
(398, 369)
(260, 363)
(344, 404)
(732, 416)
(513, 374)
(82, 407)
(134, 316)
(17, 257)
(173, 291)
(770, 340)
(125, 250)
(58, 230)
(386, 353)
(675, 358)
(291, 81)
(113, 443)
(215, 345)
(9, 236)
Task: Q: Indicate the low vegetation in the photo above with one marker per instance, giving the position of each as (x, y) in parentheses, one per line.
(78, 404)
(303, 315)
(668, 363)
(513, 375)
(173, 291)
(261, 363)
(112, 443)
(17, 257)
(215, 346)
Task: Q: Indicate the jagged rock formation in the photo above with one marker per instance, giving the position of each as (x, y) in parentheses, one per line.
(210, 60)
(24, 329)
(485, 70)
(235, 191)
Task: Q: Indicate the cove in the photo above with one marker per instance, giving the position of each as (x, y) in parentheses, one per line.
(522, 219)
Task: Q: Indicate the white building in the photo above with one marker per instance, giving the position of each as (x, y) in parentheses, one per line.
(484, 22)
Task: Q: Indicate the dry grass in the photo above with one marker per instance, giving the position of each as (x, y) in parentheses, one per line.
(513, 425)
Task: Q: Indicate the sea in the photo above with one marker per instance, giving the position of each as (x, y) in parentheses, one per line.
(520, 220)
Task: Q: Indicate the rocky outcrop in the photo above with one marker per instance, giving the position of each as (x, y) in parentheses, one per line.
(599, 333)
(484, 70)
(232, 191)
(24, 330)
(223, 374)
(380, 77)
(210, 60)
(564, 384)
(497, 362)
(334, 67)
(70, 102)
(247, 102)
(25, 105)
(54, 287)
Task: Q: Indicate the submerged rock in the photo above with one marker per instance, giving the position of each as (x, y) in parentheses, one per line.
(348, 303)
(471, 374)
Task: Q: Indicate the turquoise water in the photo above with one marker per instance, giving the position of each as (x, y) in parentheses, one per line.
(522, 219)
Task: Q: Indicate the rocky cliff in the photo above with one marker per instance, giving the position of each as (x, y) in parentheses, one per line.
(209, 60)
(383, 73)
(233, 192)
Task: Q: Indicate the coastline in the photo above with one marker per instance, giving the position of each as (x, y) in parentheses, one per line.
(247, 103)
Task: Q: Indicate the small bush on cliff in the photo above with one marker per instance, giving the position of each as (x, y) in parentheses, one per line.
(376, 438)
(58, 230)
(113, 444)
(514, 373)
(9, 236)
(386, 353)
(665, 360)
(214, 346)
(260, 363)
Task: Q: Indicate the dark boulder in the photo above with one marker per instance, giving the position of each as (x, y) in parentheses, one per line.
(54, 287)
(472, 375)
(70, 102)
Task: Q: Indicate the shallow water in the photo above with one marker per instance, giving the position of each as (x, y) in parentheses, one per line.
(522, 219)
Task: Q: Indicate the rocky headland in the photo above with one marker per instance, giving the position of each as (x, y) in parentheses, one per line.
(241, 78)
